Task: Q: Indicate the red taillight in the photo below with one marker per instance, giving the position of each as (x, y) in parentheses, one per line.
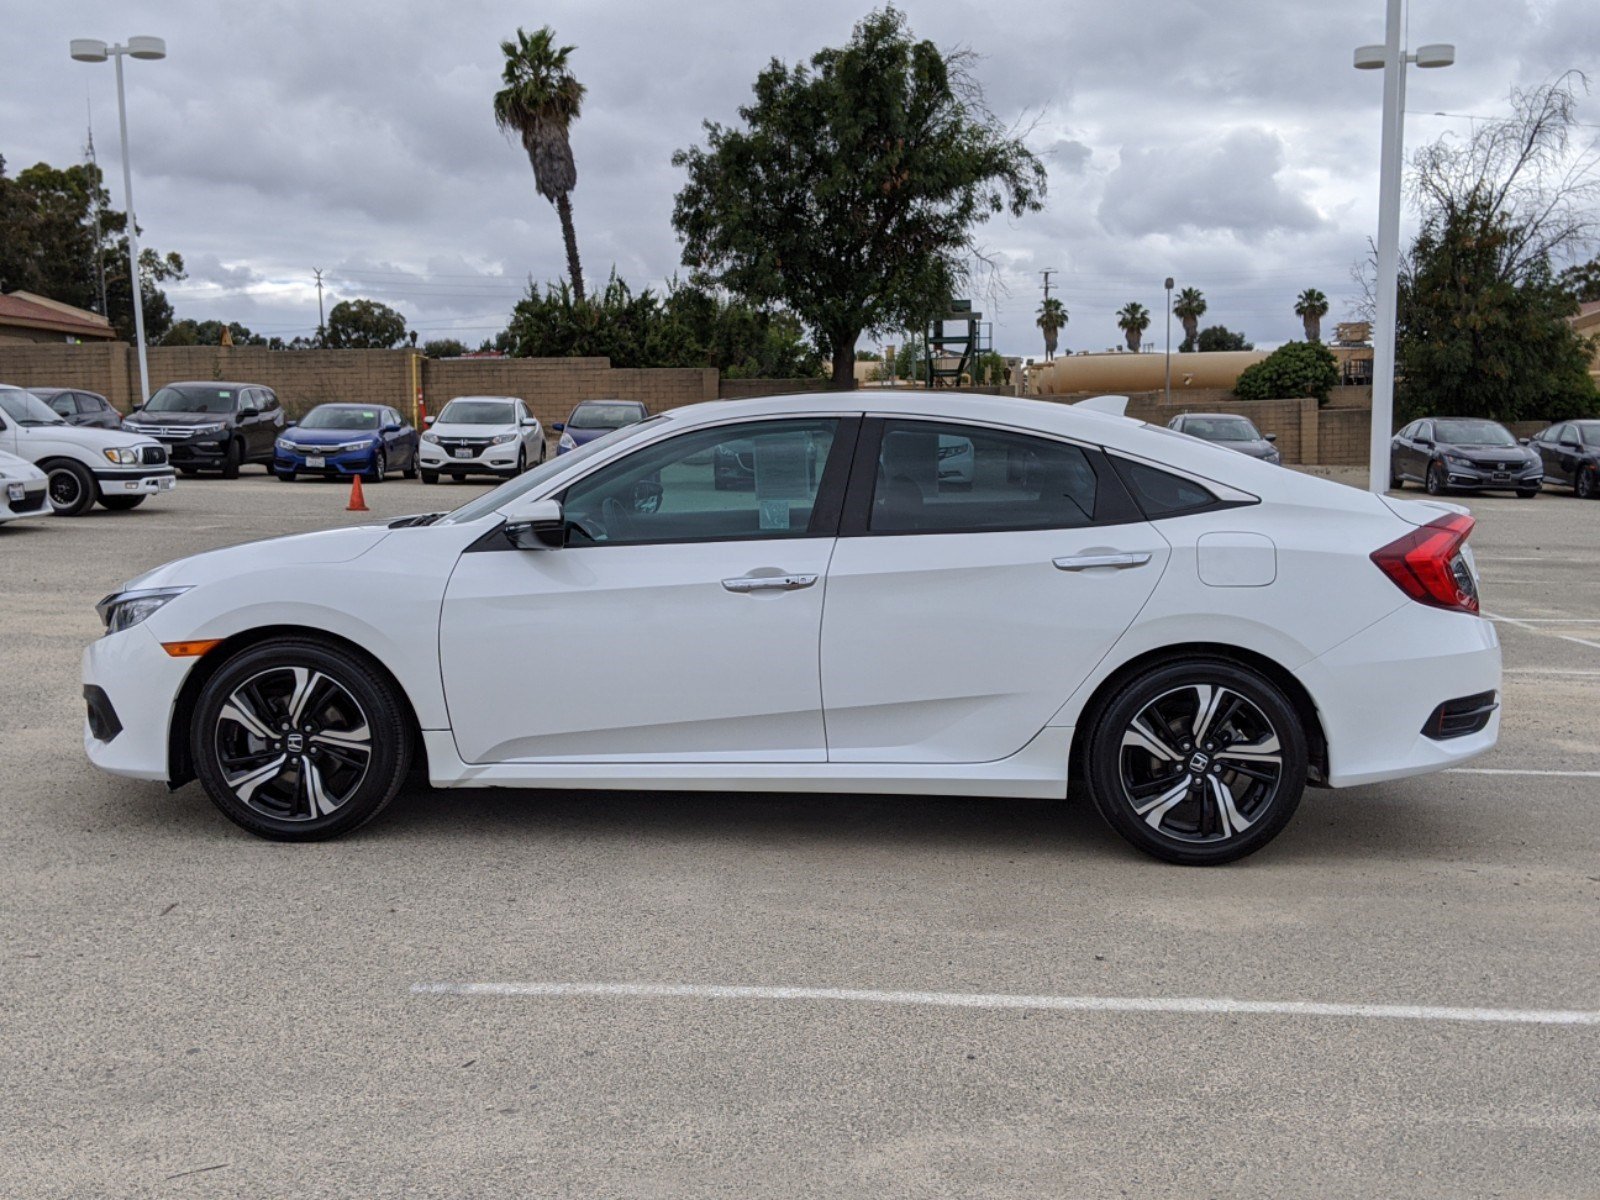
(1427, 564)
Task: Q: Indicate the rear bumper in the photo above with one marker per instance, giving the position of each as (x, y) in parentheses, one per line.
(1378, 691)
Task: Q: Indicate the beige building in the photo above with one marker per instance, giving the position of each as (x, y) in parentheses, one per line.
(25, 317)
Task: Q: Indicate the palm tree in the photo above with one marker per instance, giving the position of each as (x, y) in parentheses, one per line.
(1052, 319)
(1133, 319)
(1311, 308)
(539, 102)
(1189, 307)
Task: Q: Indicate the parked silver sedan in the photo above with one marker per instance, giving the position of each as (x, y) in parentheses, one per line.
(1230, 431)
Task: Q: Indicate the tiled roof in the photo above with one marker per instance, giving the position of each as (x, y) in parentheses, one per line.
(26, 314)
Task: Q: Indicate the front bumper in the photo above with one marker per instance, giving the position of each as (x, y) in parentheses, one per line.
(138, 683)
(347, 462)
(140, 481)
(23, 498)
(1486, 479)
(498, 460)
(1378, 691)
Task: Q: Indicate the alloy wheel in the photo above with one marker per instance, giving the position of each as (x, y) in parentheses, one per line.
(65, 489)
(1435, 479)
(1201, 763)
(293, 743)
(1584, 485)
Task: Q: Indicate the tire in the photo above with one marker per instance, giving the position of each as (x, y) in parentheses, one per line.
(1527, 493)
(299, 784)
(522, 461)
(121, 503)
(1396, 483)
(1143, 761)
(380, 467)
(411, 471)
(71, 488)
(1584, 484)
(189, 472)
(232, 460)
(287, 476)
(430, 476)
(1437, 482)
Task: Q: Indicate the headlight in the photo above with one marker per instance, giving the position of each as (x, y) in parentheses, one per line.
(1274, 456)
(430, 436)
(121, 454)
(1457, 460)
(567, 443)
(124, 610)
(500, 438)
(285, 444)
(203, 430)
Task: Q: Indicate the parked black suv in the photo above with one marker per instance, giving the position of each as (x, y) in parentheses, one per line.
(78, 407)
(1446, 454)
(210, 425)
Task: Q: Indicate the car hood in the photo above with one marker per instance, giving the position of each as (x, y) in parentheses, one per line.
(474, 433)
(15, 468)
(580, 436)
(327, 437)
(1479, 452)
(299, 549)
(37, 440)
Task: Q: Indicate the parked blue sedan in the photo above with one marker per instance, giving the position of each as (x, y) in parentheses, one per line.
(595, 417)
(369, 440)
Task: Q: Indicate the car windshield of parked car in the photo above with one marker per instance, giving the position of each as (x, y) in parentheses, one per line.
(27, 409)
(478, 412)
(339, 417)
(604, 416)
(528, 480)
(193, 400)
(1589, 432)
(1221, 429)
(1473, 433)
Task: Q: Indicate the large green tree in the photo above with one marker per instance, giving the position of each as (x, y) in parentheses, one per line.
(189, 332)
(1293, 371)
(364, 325)
(540, 100)
(1582, 281)
(1219, 337)
(851, 193)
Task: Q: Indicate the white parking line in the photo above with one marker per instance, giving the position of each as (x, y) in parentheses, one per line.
(1545, 620)
(1531, 624)
(1522, 771)
(1546, 671)
(1203, 1006)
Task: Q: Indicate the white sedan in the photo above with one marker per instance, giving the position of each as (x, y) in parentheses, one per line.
(1194, 634)
(22, 489)
(475, 435)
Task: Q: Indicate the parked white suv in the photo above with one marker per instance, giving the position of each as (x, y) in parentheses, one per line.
(22, 488)
(477, 435)
(82, 465)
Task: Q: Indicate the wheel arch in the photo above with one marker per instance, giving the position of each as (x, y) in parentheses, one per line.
(180, 763)
(1305, 707)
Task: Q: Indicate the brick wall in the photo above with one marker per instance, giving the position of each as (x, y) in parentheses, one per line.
(1345, 436)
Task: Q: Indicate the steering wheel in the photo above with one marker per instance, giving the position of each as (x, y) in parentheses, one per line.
(614, 515)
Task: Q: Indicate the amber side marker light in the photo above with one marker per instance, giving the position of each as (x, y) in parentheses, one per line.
(190, 649)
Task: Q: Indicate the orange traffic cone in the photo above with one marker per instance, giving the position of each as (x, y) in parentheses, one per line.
(358, 502)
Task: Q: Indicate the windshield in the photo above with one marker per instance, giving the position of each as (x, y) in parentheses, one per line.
(1589, 432)
(604, 416)
(27, 409)
(193, 400)
(1473, 433)
(528, 480)
(337, 416)
(477, 412)
(1221, 429)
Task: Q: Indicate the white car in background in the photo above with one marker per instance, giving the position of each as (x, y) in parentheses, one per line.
(115, 468)
(476, 435)
(1193, 633)
(22, 489)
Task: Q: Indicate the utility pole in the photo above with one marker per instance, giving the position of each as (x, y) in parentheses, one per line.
(322, 325)
(1047, 272)
(99, 257)
(1169, 339)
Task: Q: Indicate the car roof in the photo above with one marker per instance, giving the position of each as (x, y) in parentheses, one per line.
(610, 400)
(213, 383)
(51, 391)
(1216, 416)
(504, 399)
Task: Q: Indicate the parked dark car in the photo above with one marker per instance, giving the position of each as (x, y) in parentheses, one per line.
(1570, 451)
(348, 439)
(592, 418)
(215, 426)
(1447, 454)
(1230, 431)
(78, 407)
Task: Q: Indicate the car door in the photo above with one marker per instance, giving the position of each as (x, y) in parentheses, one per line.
(1567, 453)
(1419, 451)
(1398, 445)
(960, 618)
(678, 623)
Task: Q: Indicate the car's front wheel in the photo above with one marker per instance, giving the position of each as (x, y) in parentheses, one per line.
(1437, 482)
(1198, 762)
(232, 460)
(120, 503)
(299, 740)
(71, 488)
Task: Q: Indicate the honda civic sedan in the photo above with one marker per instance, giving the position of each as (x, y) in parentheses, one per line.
(348, 439)
(1194, 635)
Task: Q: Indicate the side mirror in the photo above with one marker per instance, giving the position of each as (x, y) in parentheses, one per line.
(1523, 441)
(429, 419)
(1271, 437)
(1565, 445)
(136, 406)
(528, 422)
(249, 412)
(1425, 442)
(558, 426)
(536, 525)
(391, 427)
(290, 423)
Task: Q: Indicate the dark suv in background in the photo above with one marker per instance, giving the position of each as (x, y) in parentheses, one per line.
(212, 425)
(78, 407)
(1447, 454)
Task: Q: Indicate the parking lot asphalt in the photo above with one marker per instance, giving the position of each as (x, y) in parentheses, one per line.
(188, 1011)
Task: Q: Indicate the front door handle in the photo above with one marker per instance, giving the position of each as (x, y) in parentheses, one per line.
(769, 583)
(1085, 562)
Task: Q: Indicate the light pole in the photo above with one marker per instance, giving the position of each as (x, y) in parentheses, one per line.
(1391, 58)
(148, 48)
(1169, 339)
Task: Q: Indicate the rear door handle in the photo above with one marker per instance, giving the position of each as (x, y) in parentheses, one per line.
(1085, 562)
(769, 583)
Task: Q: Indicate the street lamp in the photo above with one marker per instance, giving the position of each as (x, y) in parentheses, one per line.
(1169, 339)
(1391, 58)
(92, 50)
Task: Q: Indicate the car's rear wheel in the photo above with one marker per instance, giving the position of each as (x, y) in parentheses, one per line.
(121, 503)
(430, 476)
(1584, 485)
(287, 476)
(1527, 493)
(1437, 480)
(1198, 762)
(71, 488)
(232, 459)
(299, 740)
(1396, 483)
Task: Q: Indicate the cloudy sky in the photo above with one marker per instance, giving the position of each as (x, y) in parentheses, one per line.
(1227, 143)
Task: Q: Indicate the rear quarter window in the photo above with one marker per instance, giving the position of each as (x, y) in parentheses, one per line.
(1160, 493)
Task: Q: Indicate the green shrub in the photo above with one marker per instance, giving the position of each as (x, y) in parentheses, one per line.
(1292, 371)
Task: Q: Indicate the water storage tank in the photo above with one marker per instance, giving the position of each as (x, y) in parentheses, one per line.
(1096, 373)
